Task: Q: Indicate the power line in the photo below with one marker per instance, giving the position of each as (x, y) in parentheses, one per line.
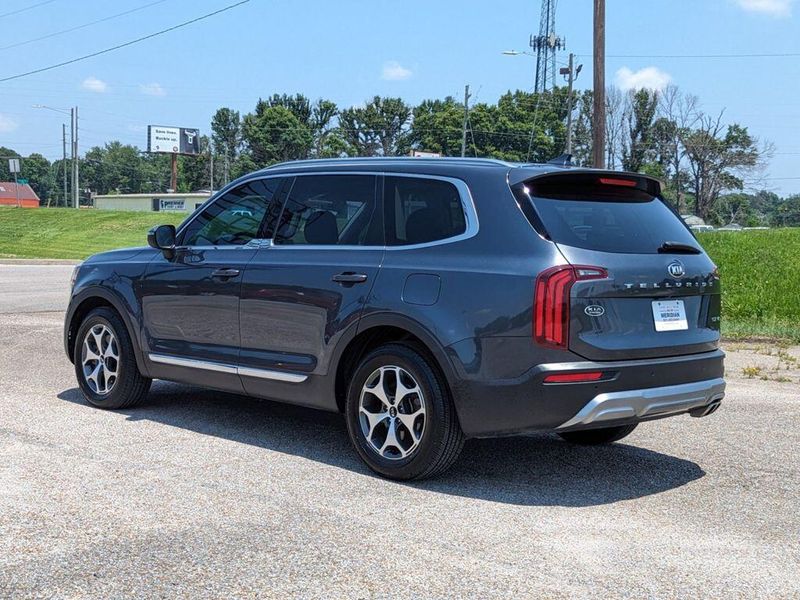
(31, 7)
(123, 45)
(737, 55)
(85, 25)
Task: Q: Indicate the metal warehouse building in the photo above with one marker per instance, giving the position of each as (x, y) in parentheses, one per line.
(151, 202)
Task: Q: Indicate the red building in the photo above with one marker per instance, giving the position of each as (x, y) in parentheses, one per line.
(8, 195)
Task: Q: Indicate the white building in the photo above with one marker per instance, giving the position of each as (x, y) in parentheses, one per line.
(151, 202)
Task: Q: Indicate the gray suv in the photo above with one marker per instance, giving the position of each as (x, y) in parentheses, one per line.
(429, 300)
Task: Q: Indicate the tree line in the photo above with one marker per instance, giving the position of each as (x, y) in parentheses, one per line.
(706, 163)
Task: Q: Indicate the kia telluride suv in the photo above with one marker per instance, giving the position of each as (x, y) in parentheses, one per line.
(429, 300)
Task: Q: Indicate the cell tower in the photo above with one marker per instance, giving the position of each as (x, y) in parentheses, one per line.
(545, 45)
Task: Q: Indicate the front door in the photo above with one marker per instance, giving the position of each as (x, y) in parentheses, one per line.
(190, 302)
(301, 293)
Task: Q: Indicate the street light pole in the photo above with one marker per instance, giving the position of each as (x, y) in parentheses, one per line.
(572, 74)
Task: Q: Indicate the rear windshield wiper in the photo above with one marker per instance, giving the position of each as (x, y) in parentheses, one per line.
(678, 248)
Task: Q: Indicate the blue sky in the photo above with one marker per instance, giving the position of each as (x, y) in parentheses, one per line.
(349, 51)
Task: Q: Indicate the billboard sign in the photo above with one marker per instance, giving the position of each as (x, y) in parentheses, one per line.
(173, 140)
(424, 154)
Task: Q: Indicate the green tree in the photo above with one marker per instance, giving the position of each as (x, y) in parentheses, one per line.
(38, 171)
(378, 129)
(718, 156)
(226, 135)
(275, 134)
(437, 126)
(638, 148)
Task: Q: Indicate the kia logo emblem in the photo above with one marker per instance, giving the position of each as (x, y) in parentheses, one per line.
(594, 310)
(675, 269)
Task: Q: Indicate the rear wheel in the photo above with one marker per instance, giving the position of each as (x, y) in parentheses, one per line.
(400, 416)
(105, 364)
(592, 437)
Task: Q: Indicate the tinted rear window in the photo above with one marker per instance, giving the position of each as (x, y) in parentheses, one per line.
(608, 218)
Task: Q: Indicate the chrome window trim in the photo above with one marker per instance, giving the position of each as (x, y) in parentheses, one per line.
(464, 193)
(192, 363)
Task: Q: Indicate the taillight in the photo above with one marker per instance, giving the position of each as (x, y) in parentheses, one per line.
(617, 181)
(551, 301)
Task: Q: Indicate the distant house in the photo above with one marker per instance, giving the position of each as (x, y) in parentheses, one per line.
(8, 195)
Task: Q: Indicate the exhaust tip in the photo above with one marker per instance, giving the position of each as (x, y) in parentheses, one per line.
(704, 411)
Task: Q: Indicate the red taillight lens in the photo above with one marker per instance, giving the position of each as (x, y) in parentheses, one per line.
(551, 301)
(573, 377)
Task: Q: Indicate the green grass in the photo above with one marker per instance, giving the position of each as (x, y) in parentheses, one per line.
(70, 233)
(760, 269)
(760, 281)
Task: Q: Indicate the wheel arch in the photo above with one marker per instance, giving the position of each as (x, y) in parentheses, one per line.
(86, 301)
(377, 330)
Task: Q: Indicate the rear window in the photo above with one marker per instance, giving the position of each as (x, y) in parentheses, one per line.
(609, 217)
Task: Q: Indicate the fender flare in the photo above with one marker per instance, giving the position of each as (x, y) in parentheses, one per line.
(390, 319)
(119, 304)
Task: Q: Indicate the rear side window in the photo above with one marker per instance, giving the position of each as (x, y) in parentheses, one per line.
(607, 214)
(420, 210)
(330, 210)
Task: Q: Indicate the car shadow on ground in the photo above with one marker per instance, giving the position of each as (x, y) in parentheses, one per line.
(535, 470)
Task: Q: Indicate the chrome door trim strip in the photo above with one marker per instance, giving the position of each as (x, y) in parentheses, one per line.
(274, 375)
(192, 363)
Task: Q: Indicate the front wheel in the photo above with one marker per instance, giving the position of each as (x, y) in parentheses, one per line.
(105, 364)
(400, 416)
(593, 437)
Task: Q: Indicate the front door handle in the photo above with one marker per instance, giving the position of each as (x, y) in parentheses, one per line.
(225, 273)
(349, 277)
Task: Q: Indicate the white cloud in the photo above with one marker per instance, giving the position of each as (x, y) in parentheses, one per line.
(93, 84)
(774, 8)
(394, 71)
(651, 78)
(152, 89)
(7, 124)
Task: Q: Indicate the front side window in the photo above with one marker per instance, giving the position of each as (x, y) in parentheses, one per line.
(420, 210)
(235, 218)
(328, 210)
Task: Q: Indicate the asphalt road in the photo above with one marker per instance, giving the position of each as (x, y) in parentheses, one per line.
(200, 494)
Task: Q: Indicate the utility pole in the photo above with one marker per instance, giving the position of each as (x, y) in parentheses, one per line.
(599, 117)
(466, 120)
(73, 113)
(174, 177)
(64, 160)
(572, 74)
(211, 154)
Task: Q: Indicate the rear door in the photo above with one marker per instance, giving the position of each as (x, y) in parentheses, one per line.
(310, 285)
(661, 296)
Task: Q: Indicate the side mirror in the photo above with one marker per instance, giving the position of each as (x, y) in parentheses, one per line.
(162, 237)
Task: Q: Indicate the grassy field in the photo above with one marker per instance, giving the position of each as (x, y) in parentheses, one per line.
(760, 281)
(70, 233)
(760, 269)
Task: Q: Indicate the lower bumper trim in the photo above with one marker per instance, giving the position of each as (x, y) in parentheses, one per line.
(648, 403)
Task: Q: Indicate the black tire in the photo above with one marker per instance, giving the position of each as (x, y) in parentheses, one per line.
(129, 387)
(441, 438)
(594, 437)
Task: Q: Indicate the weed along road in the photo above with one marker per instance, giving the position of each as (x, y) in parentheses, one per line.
(202, 494)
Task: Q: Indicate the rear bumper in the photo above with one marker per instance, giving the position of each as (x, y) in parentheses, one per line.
(638, 390)
(652, 403)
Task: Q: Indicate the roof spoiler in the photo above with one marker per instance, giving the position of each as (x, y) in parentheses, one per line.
(563, 160)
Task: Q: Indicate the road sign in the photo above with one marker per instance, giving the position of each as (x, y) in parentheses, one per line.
(13, 165)
(22, 181)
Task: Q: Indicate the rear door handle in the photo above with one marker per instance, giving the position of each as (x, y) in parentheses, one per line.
(225, 273)
(349, 278)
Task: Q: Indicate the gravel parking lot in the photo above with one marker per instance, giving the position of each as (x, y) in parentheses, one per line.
(202, 494)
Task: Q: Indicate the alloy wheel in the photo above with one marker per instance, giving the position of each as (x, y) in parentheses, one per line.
(392, 412)
(100, 359)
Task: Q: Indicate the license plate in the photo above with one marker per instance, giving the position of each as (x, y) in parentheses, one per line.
(669, 315)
